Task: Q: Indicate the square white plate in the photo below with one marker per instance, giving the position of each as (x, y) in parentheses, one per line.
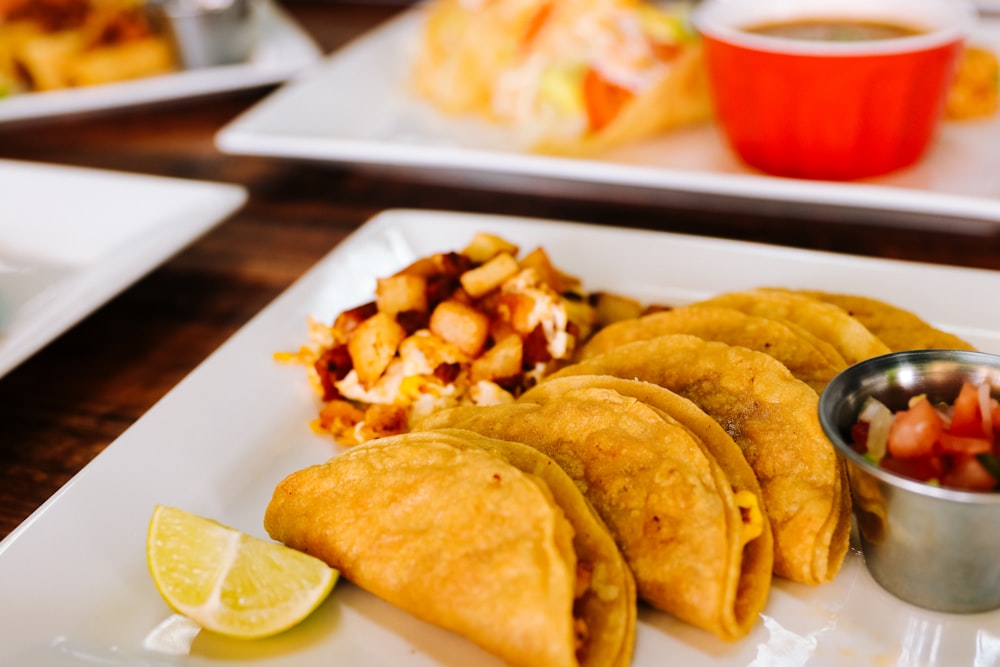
(381, 122)
(283, 50)
(74, 588)
(72, 238)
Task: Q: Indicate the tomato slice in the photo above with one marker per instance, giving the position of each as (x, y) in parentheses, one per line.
(914, 432)
(603, 99)
(967, 417)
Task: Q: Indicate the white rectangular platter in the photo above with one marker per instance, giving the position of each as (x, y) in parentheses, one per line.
(74, 588)
(283, 49)
(71, 238)
(358, 107)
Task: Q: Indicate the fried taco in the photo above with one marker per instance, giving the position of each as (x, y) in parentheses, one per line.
(488, 539)
(897, 327)
(809, 359)
(826, 321)
(751, 558)
(772, 416)
(694, 537)
(571, 77)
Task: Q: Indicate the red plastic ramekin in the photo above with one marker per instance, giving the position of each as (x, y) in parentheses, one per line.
(831, 110)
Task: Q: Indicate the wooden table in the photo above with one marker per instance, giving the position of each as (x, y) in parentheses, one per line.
(69, 401)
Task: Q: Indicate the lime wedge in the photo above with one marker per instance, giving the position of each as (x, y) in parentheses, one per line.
(229, 582)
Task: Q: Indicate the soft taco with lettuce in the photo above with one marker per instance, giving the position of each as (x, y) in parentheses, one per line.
(570, 77)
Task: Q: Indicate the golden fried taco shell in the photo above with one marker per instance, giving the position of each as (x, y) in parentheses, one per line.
(898, 328)
(751, 558)
(449, 528)
(847, 335)
(809, 359)
(669, 505)
(773, 418)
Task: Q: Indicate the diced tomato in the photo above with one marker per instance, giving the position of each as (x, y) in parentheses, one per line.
(603, 99)
(955, 447)
(922, 468)
(859, 437)
(969, 474)
(915, 432)
(959, 444)
(666, 51)
(967, 418)
(535, 24)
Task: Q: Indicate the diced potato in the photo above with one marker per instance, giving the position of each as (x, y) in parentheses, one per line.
(489, 276)
(500, 328)
(382, 420)
(373, 345)
(539, 261)
(518, 309)
(47, 57)
(425, 267)
(651, 308)
(583, 315)
(615, 307)
(546, 271)
(484, 247)
(463, 326)
(401, 293)
(339, 415)
(348, 321)
(503, 360)
(122, 62)
(462, 296)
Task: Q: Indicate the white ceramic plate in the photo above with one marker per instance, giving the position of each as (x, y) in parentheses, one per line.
(283, 50)
(72, 238)
(74, 588)
(380, 122)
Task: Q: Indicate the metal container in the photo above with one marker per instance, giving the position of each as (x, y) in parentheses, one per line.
(933, 547)
(208, 33)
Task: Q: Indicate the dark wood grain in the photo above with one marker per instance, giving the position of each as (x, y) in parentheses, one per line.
(64, 405)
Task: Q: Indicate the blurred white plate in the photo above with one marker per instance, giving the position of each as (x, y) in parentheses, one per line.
(283, 50)
(75, 589)
(71, 238)
(357, 108)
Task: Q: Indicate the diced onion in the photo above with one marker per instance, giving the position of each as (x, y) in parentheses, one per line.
(945, 412)
(985, 409)
(879, 419)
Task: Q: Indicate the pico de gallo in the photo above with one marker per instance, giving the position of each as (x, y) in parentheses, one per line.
(952, 445)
